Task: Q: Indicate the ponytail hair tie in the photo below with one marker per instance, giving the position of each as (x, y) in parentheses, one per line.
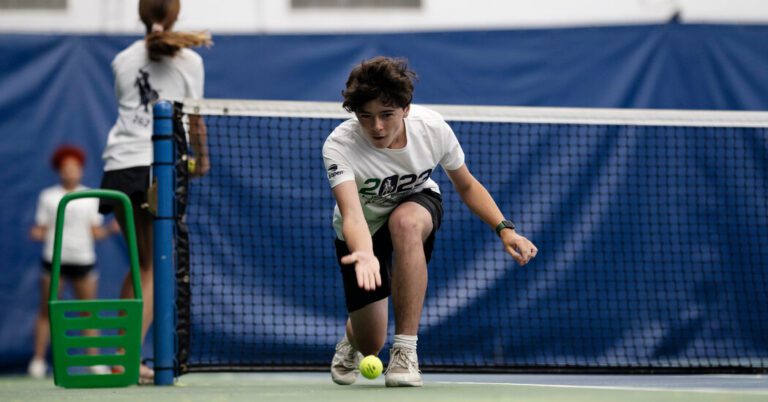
(157, 27)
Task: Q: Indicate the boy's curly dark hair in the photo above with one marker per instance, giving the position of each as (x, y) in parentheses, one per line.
(384, 78)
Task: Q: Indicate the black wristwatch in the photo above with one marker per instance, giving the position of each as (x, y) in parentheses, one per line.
(504, 225)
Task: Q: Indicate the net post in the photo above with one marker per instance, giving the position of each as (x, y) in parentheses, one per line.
(163, 226)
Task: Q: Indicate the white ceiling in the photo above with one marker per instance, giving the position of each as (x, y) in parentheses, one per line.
(276, 16)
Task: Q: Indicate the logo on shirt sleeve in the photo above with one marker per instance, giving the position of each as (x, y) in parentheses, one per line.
(334, 171)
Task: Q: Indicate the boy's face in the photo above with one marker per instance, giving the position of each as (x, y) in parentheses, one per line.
(383, 124)
(70, 172)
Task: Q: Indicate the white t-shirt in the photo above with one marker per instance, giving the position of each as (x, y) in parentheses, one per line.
(80, 216)
(140, 82)
(386, 176)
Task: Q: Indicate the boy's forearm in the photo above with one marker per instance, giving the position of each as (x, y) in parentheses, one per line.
(357, 236)
(479, 201)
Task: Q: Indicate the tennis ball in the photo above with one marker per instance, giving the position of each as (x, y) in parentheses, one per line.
(370, 367)
(191, 165)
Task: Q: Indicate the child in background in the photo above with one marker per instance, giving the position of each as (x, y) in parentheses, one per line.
(82, 227)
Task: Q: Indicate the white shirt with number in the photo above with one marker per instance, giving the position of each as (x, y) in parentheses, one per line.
(140, 82)
(384, 176)
(80, 216)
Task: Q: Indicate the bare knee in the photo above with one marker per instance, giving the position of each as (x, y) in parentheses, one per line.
(369, 337)
(407, 228)
(368, 327)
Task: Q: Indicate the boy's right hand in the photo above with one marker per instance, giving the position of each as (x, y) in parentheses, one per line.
(366, 269)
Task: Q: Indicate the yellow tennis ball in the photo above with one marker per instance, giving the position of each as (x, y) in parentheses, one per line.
(371, 367)
(191, 165)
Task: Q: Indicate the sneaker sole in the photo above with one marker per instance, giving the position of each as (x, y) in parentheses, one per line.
(402, 383)
(342, 382)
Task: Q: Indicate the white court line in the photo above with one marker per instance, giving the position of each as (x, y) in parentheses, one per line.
(616, 388)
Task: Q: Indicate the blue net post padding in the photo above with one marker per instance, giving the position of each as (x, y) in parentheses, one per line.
(162, 246)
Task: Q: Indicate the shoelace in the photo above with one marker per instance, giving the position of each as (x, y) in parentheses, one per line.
(401, 358)
(349, 353)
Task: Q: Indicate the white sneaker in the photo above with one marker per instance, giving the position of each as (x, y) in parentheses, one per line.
(403, 368)
(346, 363)
(37, 368)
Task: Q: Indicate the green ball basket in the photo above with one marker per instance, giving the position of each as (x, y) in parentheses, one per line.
(115, 324)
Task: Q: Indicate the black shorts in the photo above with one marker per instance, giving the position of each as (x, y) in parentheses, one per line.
(134, 182)
(70, 271)
(358, 298)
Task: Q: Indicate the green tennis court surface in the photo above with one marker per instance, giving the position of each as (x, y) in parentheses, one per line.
(438, 387)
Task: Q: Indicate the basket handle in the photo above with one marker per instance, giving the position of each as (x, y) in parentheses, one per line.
(131, 234)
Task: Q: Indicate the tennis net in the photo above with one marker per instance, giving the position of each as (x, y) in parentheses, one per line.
(651, 225)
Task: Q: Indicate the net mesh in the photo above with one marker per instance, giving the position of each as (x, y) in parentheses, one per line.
(652, 231)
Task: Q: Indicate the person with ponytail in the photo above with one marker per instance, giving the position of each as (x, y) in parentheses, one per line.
(160, 66)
